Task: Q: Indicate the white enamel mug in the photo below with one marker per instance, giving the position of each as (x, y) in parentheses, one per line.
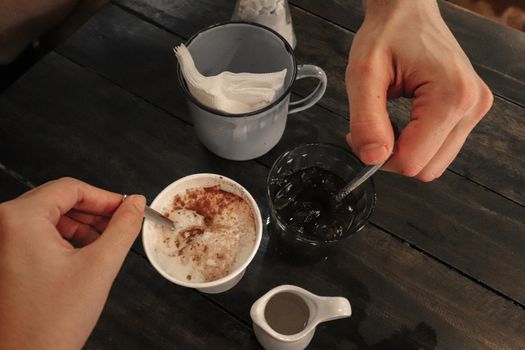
(246, 47)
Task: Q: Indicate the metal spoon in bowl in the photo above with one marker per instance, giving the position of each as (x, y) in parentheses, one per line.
(156, 217)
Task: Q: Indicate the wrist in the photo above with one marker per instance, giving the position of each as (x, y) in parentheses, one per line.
(388, 8)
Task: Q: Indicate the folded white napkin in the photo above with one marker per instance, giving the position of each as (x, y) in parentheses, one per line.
(230, 92)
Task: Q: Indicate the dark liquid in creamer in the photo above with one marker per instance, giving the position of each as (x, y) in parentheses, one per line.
(306, 203)
(287, 313)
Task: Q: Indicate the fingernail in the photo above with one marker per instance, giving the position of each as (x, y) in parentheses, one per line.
(373, 153)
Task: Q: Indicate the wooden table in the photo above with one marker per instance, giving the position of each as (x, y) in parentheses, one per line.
(440, 265)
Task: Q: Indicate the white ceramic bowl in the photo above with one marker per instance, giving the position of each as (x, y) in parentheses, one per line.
(150, 233)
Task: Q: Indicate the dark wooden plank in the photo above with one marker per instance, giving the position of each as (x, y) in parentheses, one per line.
(123, 30)
(186, 19)
(491, 157)
(108, 34)
(145, 311)
(503, 86)
(82, 116)
(401, 298)
(10, 187)
(182, 17)
(457, 215)
(500, 63)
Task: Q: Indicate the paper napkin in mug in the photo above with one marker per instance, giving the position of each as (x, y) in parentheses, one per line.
(234, 93)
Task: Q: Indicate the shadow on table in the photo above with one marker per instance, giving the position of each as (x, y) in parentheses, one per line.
(422, 337)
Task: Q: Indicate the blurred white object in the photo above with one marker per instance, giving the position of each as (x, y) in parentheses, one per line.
(234, 93)
(274, 14)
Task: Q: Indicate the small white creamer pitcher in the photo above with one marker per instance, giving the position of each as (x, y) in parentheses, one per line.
(285, 317)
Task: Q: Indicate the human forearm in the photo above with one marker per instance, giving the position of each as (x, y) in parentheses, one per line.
(388, 8)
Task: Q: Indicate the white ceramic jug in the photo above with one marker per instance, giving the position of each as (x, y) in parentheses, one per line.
(285, 317)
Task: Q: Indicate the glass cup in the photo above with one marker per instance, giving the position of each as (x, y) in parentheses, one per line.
(246, 47)
(274, 14)
(300, 245)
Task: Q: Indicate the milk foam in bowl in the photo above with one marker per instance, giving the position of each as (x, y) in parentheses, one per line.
(218, 231)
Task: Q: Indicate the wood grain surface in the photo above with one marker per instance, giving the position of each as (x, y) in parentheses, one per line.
(319, 124)
(402, 297)
(440, 266)
(494, 149)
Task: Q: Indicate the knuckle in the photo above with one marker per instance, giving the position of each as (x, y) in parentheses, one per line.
(486, 99)
(365, 64)
(348, 72)
(360, 67)
(486, 95)
(135, 211)
(366, 122)
(61, 186)
(67, 181)
(464, 95)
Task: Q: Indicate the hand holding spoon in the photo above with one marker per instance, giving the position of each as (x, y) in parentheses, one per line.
(364, 174)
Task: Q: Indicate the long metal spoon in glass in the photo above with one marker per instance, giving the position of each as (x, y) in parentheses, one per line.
(361, 177)
(364, 174)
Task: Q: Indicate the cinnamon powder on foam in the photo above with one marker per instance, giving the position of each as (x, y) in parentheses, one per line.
(225, 225)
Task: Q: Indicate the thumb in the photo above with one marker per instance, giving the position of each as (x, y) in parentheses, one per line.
(122, 230)
(371, 135)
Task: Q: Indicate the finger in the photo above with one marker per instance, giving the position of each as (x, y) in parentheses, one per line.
(96, 221)
(367, 84)
(431, 123)
(121, 231)
(81, 233)
(455, 140)
(56, 198)
(444, 157)
(349, 139)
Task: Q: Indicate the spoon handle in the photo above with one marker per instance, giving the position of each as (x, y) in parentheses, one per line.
(155, 216)
(361, 177)
(158, 218)
(366, 172)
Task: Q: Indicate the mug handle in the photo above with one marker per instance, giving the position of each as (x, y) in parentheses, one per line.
(309, 71)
